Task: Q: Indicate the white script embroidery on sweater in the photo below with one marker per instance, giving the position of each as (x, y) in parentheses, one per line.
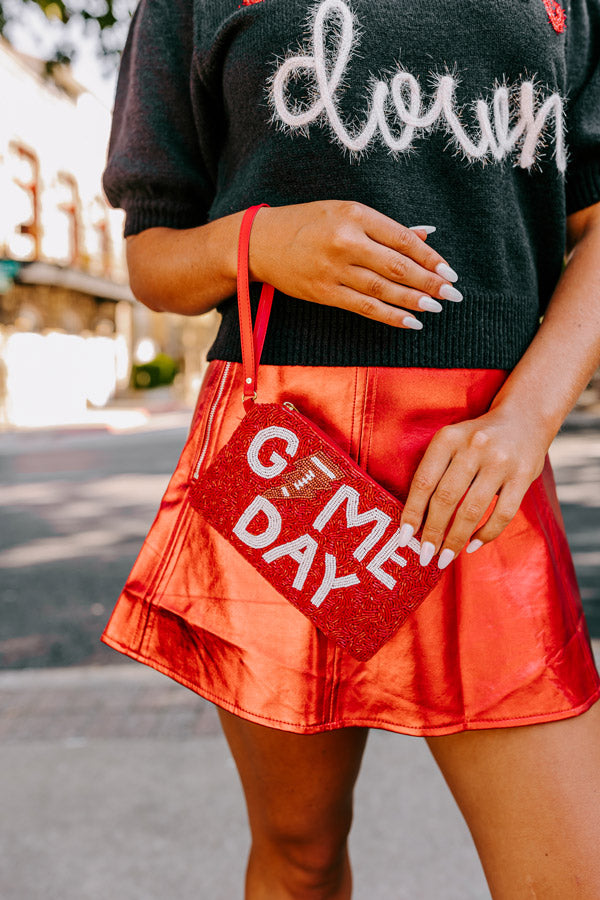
(515, 120)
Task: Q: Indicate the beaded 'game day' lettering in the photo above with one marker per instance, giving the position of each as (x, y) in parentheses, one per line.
(327, 541)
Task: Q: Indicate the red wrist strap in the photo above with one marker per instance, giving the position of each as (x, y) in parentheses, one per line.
(252, 341)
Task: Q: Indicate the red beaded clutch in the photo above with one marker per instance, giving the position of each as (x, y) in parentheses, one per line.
(303, 513)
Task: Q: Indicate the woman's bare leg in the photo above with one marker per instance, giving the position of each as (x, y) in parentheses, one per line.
(298, 792)
(531, 798)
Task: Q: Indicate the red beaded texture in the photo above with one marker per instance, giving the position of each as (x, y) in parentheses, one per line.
(556, 14)
(316, 527)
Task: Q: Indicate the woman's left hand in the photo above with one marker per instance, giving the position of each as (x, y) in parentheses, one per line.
(499, 454)
(465, 468)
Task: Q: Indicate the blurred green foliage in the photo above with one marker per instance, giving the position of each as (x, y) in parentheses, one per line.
(159, 371)
(102, 16)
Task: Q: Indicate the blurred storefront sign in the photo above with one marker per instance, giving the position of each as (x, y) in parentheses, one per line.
(53, 138)
(69, 324)
(65, 306)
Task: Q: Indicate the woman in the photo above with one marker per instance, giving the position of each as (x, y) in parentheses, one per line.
(356, 122)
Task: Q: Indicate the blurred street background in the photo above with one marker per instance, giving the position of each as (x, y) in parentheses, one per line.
(115, 781)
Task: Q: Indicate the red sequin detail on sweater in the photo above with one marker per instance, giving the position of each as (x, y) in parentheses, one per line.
(556, 14)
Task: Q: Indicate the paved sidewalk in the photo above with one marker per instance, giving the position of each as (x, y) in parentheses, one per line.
(134, 411)
(116, 783)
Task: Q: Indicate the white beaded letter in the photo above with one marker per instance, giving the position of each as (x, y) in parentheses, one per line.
(258, 541)
(354, 518)
(302, 551)
(278, 462)
(387, 552)
(330, 582)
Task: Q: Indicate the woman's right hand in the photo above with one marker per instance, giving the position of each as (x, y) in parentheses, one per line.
(345, 254)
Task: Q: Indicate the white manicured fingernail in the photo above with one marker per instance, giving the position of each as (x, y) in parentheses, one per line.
(450, 293)
(446, 272)
(406, 532)
(474, 545)
(427, 551)
(411, 322)
(445, 558)
(430, 304)
(428, 229)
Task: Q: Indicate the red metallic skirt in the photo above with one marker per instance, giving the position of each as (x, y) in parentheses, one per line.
(500, 641)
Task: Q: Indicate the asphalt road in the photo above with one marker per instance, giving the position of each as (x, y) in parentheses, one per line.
(76, 506)
(75, 509)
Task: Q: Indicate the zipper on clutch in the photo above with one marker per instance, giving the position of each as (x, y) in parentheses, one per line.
(210, 419)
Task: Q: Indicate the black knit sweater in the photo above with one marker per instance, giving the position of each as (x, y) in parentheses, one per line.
(482, 118)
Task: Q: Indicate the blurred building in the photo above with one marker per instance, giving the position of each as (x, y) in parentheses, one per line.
(69, 325)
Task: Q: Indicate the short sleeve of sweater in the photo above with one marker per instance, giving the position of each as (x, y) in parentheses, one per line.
(159, 167)
(583, 104)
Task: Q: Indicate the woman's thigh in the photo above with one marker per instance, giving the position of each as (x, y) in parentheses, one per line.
(531, 798)
(298, 787)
